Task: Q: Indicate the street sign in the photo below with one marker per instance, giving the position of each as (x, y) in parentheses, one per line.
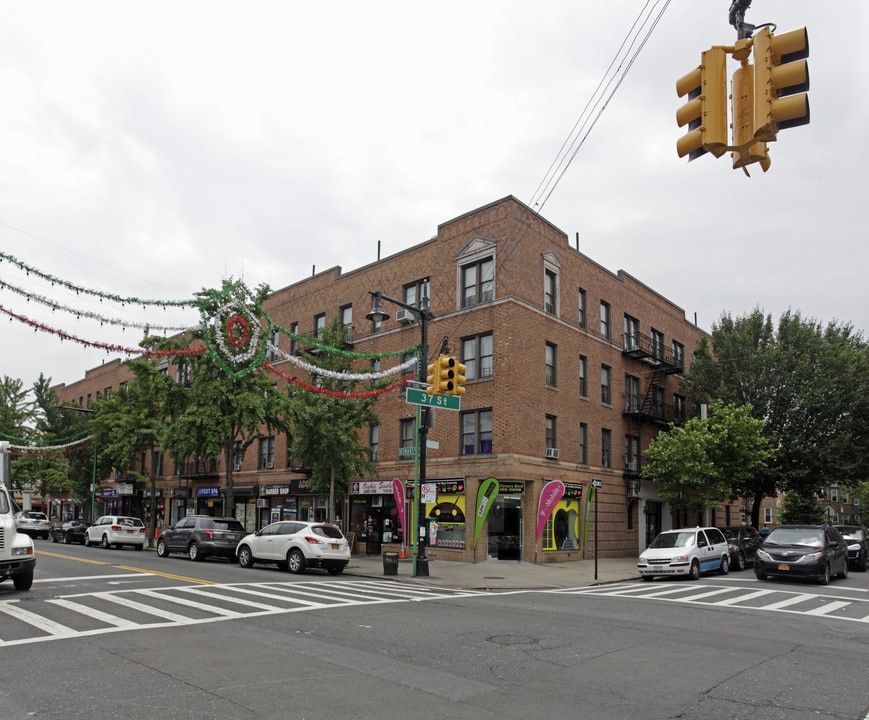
(405, 451)
(597, 484)
(445, 402)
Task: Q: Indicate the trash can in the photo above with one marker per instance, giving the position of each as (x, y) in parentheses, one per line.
(390, 563)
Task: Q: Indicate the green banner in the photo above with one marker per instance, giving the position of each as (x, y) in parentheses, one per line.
(588, 500)
(486, 494)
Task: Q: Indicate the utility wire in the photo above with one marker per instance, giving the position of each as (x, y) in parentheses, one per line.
(623, 60)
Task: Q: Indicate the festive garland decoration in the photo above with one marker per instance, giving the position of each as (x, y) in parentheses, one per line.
(13, 439)
(307, 341)
(103, 320)
(335, 375)
(79, 290)
(338, 394)
(40, 450)
(234, 332)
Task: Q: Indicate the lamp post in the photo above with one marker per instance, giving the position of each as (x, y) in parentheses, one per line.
(423, 314)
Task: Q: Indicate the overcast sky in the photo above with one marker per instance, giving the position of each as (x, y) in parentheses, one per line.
(152, 149)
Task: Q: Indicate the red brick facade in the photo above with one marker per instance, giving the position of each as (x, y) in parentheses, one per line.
(533, 300)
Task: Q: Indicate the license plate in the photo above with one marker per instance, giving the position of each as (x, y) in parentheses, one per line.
(335, 546)
(784, 567)
(129, 532)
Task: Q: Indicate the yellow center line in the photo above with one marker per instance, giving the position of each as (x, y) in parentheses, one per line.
(171, 576)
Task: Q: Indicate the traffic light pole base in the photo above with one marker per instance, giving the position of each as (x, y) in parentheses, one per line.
(422, 567)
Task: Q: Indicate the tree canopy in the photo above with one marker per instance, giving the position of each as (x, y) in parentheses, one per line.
(807, 382)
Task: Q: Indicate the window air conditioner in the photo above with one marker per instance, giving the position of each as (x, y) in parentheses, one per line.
(552, 453)
(404, 316)
(270, 465)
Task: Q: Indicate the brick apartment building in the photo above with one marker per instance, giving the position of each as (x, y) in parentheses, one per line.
(571, 371)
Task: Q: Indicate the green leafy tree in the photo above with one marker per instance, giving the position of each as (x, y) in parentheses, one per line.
(800, 509)
(327, 431)
(218, 409)
(806, 382)
(133, 422)
(17, 413)
(696, 464)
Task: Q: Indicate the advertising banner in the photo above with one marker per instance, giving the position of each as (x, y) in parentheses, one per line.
(549, 498)
(486, 494)
(398, 494)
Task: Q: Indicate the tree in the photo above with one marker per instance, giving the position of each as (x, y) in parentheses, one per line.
(326, 429)
(799, 509)
(16, 419)
(696, 464)
(222, 412)
(133, 422)
(807, 383)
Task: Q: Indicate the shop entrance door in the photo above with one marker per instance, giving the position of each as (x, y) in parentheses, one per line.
(505, 528)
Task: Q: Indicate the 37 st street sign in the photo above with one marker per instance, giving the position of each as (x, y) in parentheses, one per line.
(415, 396)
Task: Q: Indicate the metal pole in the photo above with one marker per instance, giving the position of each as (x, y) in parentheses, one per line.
(94, 483)
(596, 491)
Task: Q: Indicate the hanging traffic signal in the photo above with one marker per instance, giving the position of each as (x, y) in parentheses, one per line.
(705, 112)
(433, 379)
(747, 149)
(459, 379)
(781, 81)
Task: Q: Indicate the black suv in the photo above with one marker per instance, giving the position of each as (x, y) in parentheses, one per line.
(201, 536)
(814, 552)
(744, 541)
(858, 545)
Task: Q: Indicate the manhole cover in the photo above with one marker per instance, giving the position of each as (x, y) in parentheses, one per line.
(492, 577)
(513, 640)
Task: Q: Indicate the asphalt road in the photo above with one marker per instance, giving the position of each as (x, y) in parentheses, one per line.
(124, 634)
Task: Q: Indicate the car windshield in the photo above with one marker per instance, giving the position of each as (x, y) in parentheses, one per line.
(132, 522)
(850, 533)
(228, 525)
(673, 540)
(795, 536)
(36, 516)
(730, 534)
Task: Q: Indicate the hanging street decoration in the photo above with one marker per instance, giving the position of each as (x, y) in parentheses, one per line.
(236, 332)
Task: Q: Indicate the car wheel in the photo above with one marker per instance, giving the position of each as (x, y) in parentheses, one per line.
(245, 557)
(335, 569)
(844, 572)
(740, 561)
(724, 568)
(694, 573)
(23, 581)
(53, 538)
(66, 540)
(862, 563)
(760, 576)
(104, 543)
(194, 553)
(85, 541)
(825, 578)
(647, 578)
(162, 550)
(295, 562)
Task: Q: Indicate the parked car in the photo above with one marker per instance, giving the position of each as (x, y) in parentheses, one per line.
(815, 552)
(857, 538)
(69, 532)
(295, 546)
(32, 523)
(744, 541)
(201, 536)
(688, 551)
(116, 530)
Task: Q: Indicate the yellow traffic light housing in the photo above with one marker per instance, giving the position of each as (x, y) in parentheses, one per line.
(459, 379)
(447, 374)
(433, 379)
(747, 149)
(781, 81)
(705, 112)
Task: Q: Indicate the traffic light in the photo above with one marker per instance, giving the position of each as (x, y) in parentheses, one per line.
(433, 379)
(705, 112)
(459, 379)
(747, 150)
(448, 374)
(781, 81)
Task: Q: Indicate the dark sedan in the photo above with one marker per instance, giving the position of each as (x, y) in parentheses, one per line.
(813, 552)
(857, 538)
(744, 541)
(69, 532)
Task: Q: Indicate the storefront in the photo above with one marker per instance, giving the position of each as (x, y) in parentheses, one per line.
(374, 515)
(290, 501)
(505, 522)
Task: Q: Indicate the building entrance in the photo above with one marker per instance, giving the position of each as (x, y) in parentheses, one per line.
(505, 528)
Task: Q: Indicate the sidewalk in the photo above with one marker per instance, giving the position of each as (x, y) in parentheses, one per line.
(503, 574)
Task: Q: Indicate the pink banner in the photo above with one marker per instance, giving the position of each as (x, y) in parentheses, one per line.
(398, 494)
(552, 492)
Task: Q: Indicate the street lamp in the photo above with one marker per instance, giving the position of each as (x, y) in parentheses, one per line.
(423, 314)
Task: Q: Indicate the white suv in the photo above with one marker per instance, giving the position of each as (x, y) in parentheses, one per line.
(32, 523)
(116, 530)
(688, 551)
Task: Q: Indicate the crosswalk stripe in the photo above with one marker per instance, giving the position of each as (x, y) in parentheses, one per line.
(51, 627)
(828, 608)
(94, 613)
